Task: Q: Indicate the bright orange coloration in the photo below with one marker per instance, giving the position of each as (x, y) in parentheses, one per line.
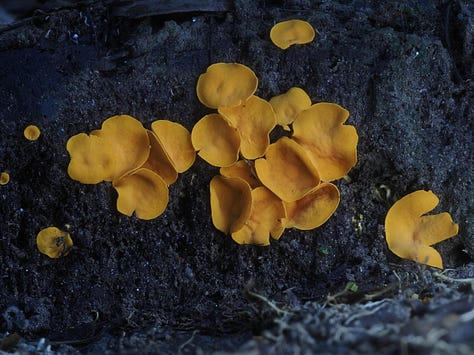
(410, 235)
(4, 178)
(254, 119)
(159, 161)
(143, 192)
(32, 132)
(314, 208)
(176, 141)
(289, 104)
(331, 145)
(215, 140)
(54, 242)
(242, 170)
(287, 33)
(287, 170)
(121, 146)
(231, 203)
(265, 219)
(226, 84)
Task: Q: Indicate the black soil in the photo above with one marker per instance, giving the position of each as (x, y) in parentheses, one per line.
(403, 69)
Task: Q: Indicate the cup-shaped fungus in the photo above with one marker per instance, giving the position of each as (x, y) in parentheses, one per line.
(226, 84)
(215, 140)
(287, 33)
(254, 119)
(159, 160)
(54, 242)
(231, 203)
(265, 220)
(289, 104)
(121, 146)
(32, 132)
(314, 209)
(410, 234)
(176, 141)
(4, 178)
(242, 170)
(287, 170)
(143, 192)
(331, 145)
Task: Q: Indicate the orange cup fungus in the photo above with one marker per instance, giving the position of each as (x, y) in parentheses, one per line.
(140, 163)
(54, 242)
(286, 33)
(410, 233)
(32, 132)
(273, 186)
(226, 85)
(4, 178)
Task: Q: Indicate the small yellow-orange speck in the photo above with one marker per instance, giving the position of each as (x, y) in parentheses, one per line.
(4, 178)
(32, 132)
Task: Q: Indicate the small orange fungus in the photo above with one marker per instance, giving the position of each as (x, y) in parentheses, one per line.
(226, 84)
(4, 178)
(287, 170)
(159, 161)
(254, 119)
(243, 170)
(121, 146)
(143, 192)
(32, 132)
(231, 203)
(287, 33)
(215, 140)
(289, 104)
(331, 145)
(176, 141)
(410, 234)
(314, 209)
(265, 219)
(54, 242)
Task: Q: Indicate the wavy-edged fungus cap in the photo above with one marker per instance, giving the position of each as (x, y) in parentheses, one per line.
(287, 170)
(32, 132)
(254, 119)
(4, 178)
(289, 104)
(215, 140)
(287, 33)
(265, 220)
(226, 84)
(231, 203)
(54, 242)
(314, 209)
(121, 146)
(176, 141)
(159, 161)
(143, 192)
(242, 170)
(410, 235)
(331, 145)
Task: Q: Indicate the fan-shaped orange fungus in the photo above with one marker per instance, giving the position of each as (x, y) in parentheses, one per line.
(254, 119)
(176, 141)
(231, 203)
(286, 170)
(410, 235)
(121, 146)
(226, 84)
(331, 145)
(287, 33)
(32, 132)
(159, 161)
(143, 192)
(289, 104)
(4, 178)
(314, 209)
(242, 170)
(265, 219)
(54, 242)
(215, 140)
